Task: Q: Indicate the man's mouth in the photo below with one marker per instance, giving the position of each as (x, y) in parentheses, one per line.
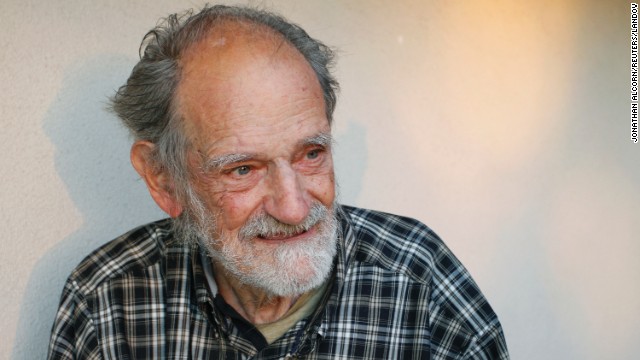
(267, 228)
(284, 236)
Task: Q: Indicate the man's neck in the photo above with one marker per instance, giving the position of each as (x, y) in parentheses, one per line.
(253, 304)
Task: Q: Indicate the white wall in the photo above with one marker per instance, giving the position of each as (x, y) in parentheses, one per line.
(504, 125)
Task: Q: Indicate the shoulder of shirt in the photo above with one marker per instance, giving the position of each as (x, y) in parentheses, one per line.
(396, 243)
(131, 252)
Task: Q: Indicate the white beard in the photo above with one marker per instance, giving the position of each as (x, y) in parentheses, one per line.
(278, 269)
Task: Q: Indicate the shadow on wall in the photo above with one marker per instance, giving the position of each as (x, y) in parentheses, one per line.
(92, 159)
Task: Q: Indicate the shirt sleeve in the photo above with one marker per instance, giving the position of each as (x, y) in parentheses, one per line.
(463, 324)
(73, 335)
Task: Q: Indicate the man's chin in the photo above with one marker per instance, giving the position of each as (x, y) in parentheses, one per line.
(302, 284)
(288, 269)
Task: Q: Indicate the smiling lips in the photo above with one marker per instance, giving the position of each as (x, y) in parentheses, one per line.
(284, 237)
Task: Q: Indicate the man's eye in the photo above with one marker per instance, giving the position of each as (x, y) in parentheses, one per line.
(313, 154)
(242, 170)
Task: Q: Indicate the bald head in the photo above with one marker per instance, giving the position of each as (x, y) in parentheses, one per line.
(239, 65)
(145, 102)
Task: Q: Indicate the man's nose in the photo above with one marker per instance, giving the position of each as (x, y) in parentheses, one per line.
(287, 200)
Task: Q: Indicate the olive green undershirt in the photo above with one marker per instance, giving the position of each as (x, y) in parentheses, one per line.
(304, 306)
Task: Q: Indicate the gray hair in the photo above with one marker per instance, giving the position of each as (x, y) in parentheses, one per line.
(146, 102)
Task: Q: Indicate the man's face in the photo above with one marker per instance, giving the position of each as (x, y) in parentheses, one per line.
(261, 161)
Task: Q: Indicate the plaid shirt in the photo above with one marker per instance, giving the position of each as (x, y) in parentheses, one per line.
(397, 293)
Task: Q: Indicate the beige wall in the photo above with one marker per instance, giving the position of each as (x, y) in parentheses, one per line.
(504, 125)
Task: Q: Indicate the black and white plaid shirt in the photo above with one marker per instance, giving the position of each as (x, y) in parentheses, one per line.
(397, 293)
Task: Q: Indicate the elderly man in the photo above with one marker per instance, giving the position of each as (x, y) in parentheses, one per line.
(231, 109)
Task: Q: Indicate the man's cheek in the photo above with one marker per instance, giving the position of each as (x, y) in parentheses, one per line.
(235, 209)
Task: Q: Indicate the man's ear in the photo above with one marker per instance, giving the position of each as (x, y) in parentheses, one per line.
(158, 181)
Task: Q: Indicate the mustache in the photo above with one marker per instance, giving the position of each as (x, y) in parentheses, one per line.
(265, 225)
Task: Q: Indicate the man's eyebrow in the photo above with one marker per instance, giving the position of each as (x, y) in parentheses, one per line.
(321, 139)
(219, 162)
